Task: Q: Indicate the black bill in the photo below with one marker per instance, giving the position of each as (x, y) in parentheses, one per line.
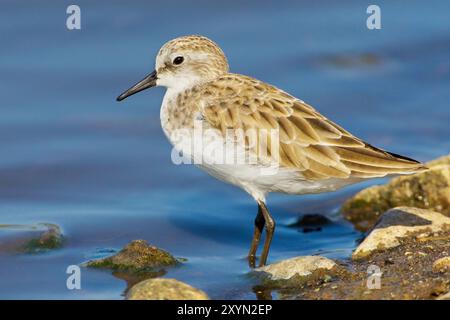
(148, 82)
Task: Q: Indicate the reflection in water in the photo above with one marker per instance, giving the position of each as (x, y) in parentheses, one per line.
(132, 279)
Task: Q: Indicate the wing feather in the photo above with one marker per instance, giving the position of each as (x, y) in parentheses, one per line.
(308, 142)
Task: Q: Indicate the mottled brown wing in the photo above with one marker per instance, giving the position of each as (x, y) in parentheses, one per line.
(308, 141)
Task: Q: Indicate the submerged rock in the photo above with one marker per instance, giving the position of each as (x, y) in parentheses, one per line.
(398, 223)
(346, 61)
(36, 238)
(165, 289)
(50, 238)
(298, 266)
(427, 190)
(311, 222)
(137, 256)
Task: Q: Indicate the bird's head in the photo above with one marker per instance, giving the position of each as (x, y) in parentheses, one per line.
(183, 63)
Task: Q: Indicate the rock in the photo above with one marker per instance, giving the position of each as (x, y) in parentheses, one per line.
(442, 265)
(50, 238)
(137, 256)
(298, 266)
(405, 256)
(165, 289)
(311, 222)
(398, 223)
(293, 277)
(427, 190)
(444, 296)
(36, 238)
(444, 160)
(403, 272)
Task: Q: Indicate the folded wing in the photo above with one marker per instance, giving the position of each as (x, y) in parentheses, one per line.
(308, 142)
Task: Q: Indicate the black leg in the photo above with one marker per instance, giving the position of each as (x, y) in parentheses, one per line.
(259, 225)
(270, 228)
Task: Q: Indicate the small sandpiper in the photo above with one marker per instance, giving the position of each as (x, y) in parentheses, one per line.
(312, 153)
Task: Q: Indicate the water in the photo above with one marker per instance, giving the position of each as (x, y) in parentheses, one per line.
(71, 155)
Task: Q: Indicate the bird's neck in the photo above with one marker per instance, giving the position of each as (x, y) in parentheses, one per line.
(176, 111)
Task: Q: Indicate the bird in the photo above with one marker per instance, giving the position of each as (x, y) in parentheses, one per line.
(286, 145)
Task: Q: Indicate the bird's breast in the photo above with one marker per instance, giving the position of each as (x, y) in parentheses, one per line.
(176, 114)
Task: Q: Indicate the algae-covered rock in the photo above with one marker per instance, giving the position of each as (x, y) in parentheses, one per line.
(137, 256)
(50, 238)
(398, 223)
(165, 289)
(35, 238)
(298, 266)
(427, 190)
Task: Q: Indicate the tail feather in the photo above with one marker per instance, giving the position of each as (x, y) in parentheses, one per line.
(379, 163)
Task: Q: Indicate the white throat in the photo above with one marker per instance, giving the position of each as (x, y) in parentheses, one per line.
(178, 84)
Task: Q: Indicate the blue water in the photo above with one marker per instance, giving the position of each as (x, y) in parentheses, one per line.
(71, 155)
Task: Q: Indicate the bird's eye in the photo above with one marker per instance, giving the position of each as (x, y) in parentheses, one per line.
(178, 60)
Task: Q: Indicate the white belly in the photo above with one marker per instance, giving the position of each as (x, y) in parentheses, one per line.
(283, 180)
